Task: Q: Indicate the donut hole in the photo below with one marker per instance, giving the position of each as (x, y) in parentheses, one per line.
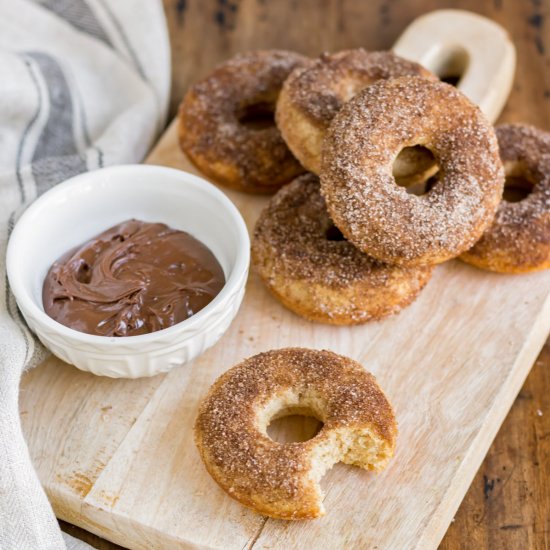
(292, 426)
(452, 79)
(517, 187)
(347, 88)
(450, 64)
(419, 188)
(293, 416)
(415, 169)
(334, 234)
(257, 116)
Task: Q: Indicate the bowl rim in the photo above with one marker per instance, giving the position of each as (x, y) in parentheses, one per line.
(28, 305)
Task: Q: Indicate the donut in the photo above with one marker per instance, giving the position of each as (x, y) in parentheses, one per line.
(213, 132)
(313, 271)
(312, 96)
(518, 241)
(380, 217)
(282, 480)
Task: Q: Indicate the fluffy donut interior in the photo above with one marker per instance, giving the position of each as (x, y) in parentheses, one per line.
(335, 442)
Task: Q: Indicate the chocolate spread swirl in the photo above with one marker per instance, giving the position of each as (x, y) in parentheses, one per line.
(132, 279)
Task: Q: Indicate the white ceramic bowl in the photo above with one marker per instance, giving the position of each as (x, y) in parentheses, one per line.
(84, 206)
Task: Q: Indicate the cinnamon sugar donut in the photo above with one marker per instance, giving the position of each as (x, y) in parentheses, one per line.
(518, 241)
(213, 133)
(380, 217)
(305, 262)
(282, 480)
(312, 96)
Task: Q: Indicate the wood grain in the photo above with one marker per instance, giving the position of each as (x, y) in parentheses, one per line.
(496, 513)
(487, 518)
(117, 457)
(206, 32)
(508, 503)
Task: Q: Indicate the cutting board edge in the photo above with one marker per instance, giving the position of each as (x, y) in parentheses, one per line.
(101, 521)
(437, 526)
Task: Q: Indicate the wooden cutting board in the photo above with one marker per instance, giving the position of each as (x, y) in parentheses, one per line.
(117, 456)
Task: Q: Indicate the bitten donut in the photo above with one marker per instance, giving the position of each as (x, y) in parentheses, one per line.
(518, 241)
(282, 480)
(312, 96)
(213, 133)
(309, 267)
(380, 217)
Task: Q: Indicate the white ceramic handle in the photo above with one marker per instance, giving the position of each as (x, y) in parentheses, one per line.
(457, 42)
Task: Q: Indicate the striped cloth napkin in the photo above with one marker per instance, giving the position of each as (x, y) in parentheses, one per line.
(83, 84)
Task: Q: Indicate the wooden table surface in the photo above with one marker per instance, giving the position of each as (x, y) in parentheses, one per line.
(508, 504)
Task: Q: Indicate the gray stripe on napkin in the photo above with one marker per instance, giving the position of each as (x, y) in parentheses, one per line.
(32, 122)
(57, 135)
(56, 156)
(50, 171)
(78, 14)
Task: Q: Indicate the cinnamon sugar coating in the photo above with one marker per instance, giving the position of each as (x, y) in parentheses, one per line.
(313, 271)
(282, 480)
(380, 217)
(518, 241)
(313, 95)
(251, 159)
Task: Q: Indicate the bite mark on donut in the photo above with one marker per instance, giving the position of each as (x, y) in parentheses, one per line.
(282, 480)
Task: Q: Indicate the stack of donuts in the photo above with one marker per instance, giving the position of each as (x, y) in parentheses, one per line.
(381, 171)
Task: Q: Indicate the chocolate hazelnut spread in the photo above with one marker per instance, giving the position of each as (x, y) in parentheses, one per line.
(133, 278)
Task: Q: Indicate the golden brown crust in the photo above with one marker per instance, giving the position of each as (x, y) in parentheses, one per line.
(518, 241)
(313, 95)
(380, 217)
(248, 159)
(282, 480)
(324, 280)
